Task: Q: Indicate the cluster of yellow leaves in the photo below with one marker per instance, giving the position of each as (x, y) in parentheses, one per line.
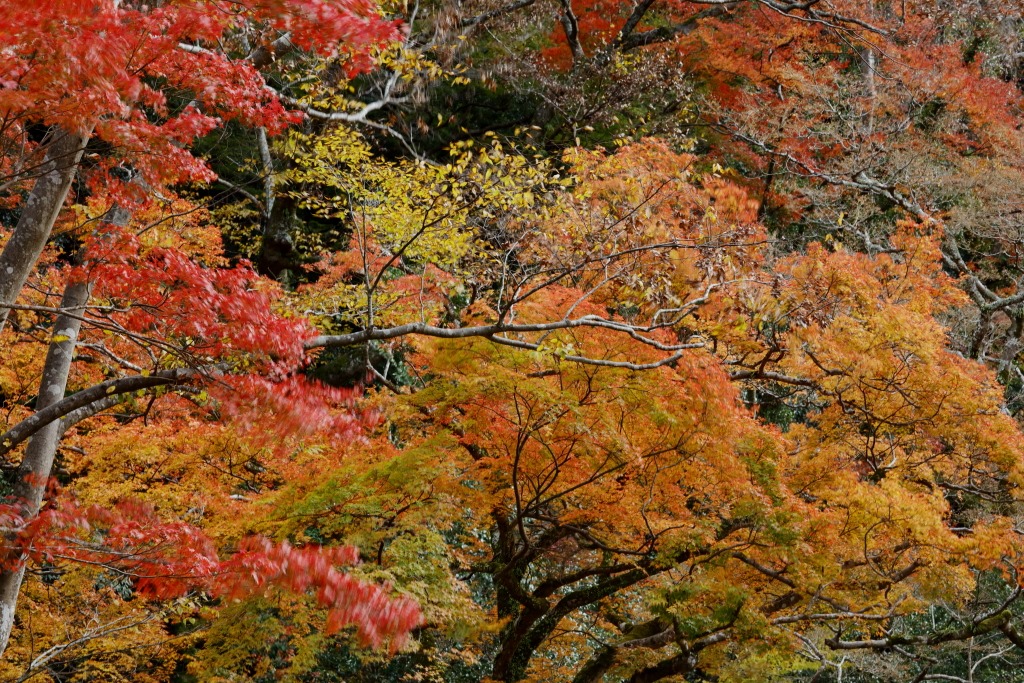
(414, 226)
(108, 639)
(647, 230)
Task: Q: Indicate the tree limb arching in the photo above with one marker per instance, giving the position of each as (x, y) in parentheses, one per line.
(93, 399)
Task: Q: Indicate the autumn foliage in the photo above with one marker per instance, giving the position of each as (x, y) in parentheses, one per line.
(542, 341)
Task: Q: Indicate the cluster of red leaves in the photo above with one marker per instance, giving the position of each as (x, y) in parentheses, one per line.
(169, 559)
(213, 313)
(356, 23)
(769, 75)
(86, 63)
(294, 405)
(225, 317)
(165, 558)
(378, 617)
(987, 105)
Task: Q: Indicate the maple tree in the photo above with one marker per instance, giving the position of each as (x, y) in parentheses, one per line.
(712, 403)
(617, 510)
(84, 74)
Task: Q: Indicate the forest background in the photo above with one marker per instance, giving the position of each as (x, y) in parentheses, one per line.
(546, 340)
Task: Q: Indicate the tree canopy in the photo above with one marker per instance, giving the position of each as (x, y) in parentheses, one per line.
(545, 340)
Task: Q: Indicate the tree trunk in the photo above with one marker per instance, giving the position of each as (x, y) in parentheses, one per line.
(34, 471)
(44, 202)
(277, 257)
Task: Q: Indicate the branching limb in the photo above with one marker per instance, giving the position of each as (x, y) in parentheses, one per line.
(498, 333)
(572, 31)
(118, 625)
(477, 20)
(631, 39)
(82, 400)
(87, 411)
(999, 622)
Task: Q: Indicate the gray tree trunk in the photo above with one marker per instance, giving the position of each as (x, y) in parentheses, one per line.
(34, 471)
(44, 202)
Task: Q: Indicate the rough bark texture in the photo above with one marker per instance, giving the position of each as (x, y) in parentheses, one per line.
(38, 215)
(29, 483)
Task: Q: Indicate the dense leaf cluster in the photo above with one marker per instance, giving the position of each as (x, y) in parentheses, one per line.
(541, 340)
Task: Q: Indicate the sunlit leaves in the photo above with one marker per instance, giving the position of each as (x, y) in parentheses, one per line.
(416, 227)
